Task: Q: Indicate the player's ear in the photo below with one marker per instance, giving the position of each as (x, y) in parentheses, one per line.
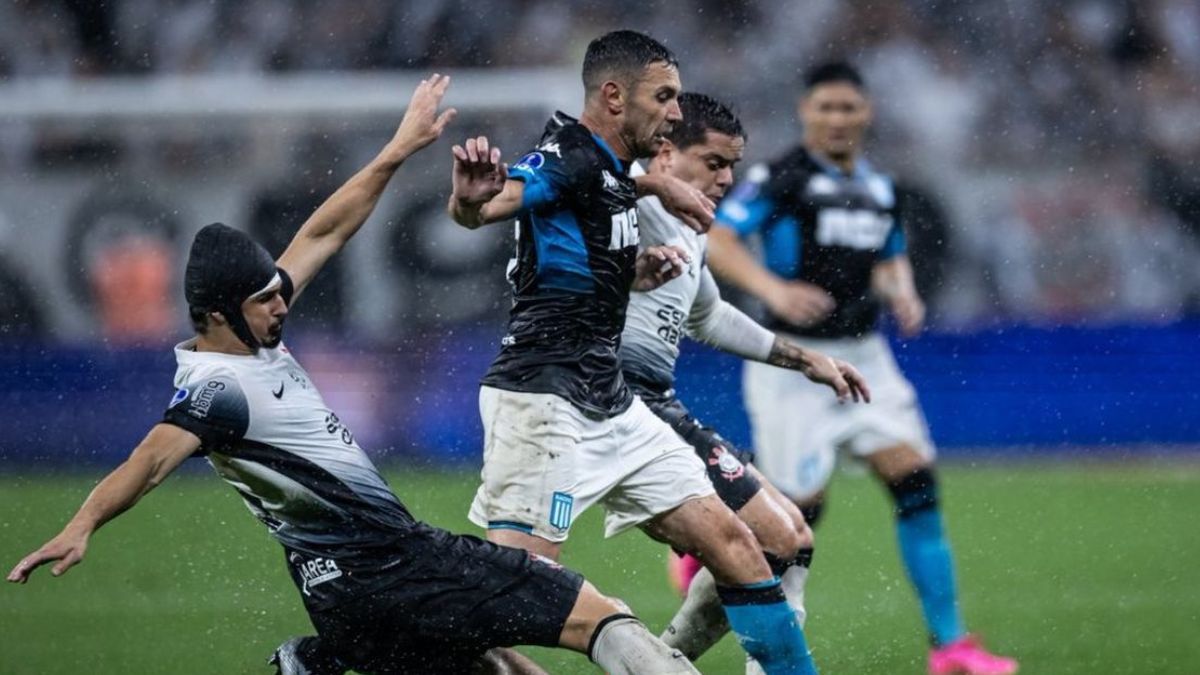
(666, 155)
(613, 95)
(217, 319)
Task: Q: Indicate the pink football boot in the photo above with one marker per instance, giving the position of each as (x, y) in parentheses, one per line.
(681, 569)
(967, 657)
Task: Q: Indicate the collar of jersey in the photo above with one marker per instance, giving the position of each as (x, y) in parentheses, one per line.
(862, 168)
(611, 155)
(186, 350)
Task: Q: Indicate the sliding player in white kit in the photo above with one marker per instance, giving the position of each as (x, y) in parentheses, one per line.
(387, 593)
(702, 150)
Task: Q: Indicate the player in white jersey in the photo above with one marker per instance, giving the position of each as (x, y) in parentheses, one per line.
(386, 592)
(703, 150)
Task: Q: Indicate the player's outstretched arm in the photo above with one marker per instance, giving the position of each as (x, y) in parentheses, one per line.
(723, 326)
(892, 281)
(797, 302)
(843, 378)
(163, 449)
(683, 200)
(482, 193)
(336, 221)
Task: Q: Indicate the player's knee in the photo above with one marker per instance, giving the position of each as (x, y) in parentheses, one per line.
(812, 510)
(735, 534)
(786, 542)
(915, 492)
(592, 609)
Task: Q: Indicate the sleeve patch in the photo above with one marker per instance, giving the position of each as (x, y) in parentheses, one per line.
(531, 162)
(213, 408)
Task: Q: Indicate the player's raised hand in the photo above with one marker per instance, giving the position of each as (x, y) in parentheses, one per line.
(799, 302)
(656, 265)
(422, 124)
(67, 548)
(685, 202)
(479, 174)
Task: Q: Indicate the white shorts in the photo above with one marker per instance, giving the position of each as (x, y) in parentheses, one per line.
(545, 462)
(799, 426)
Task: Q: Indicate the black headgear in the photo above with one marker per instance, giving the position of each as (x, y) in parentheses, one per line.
(224, 268)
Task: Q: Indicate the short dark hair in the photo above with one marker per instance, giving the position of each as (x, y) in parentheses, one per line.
(833, 71)
(622, 55)
(701, 114)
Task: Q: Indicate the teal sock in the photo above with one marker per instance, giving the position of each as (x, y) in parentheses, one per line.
(926, 554)
(767, 628)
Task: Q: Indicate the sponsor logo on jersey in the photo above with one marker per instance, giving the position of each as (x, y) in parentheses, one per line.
(551, 147)
(860, 229)
(531, 162)
(202, 402)
(624, 231)
(610, 181)
(314, 572)
(180, 396)
(278, 394)
(561, 504)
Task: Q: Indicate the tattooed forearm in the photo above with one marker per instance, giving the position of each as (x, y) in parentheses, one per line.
(787, 355)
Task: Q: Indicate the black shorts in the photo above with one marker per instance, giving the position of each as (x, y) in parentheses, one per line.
(726, 464)
(459, 598)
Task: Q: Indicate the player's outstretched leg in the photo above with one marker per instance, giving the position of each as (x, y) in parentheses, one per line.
(750, 593)
(617, 641)
(925, 551)
(305, 655)
(775, 521)
(788, 547)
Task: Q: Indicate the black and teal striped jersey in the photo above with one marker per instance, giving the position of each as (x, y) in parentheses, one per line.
(577, 239)
(820, 225)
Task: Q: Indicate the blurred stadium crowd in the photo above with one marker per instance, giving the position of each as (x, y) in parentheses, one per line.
(1048, 150)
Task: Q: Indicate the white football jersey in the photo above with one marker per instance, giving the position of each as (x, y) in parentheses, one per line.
(265, 429)
(657, 320)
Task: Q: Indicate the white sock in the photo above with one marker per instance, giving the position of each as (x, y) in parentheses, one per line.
(793, 581)
(701, 622)
(623, 646)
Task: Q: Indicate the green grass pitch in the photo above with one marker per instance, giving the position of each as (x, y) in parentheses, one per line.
(1072, 568)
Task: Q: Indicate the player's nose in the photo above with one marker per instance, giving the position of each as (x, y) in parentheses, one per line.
(674, 113)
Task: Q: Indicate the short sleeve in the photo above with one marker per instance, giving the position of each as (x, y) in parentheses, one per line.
(546, 175)
(896, 242)
(749, 207)
(214, 408)
(286, 288)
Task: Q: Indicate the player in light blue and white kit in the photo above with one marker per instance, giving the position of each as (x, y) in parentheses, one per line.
(834, 254)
